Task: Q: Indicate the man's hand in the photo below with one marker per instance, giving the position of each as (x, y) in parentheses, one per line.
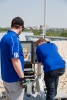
(23, 82)
(40, 63)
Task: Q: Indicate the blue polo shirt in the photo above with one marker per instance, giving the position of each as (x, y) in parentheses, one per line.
(10, 48)
(47, 53)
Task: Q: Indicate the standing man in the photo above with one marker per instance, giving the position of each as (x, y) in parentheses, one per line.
(12, 61)
(53, 65)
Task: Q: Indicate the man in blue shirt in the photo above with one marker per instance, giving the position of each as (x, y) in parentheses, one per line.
(53, 65)
(12, 61)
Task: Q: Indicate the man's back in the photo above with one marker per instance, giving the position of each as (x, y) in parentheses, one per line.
(7, 46)
(50, 57)
(12, 61)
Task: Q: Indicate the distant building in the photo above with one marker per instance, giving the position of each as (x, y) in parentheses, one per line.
(29, 28)
(65, 28)
(47, 27)
(35, 28)
(41, 27)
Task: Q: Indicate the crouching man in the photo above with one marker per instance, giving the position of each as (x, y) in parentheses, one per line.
(53, 65)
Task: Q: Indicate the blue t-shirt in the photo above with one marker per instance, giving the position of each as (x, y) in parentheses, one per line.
(10, 48)
(47, 53)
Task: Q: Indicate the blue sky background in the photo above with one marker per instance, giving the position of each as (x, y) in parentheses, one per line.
(32, 12)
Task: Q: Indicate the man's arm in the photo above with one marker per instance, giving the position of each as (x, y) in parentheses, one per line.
(14, 54)
(38, 57)
(14, 47)
(17, 66)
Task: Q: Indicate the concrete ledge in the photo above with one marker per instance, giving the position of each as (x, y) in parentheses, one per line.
(60, 96)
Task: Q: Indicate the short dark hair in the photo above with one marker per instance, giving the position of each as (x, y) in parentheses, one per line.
(17, 22)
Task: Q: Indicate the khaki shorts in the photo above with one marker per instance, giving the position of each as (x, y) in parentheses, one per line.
(14, 91)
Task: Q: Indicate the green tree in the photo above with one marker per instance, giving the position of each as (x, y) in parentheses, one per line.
(63, 34)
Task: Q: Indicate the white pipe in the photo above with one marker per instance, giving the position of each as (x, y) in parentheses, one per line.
(44, 27)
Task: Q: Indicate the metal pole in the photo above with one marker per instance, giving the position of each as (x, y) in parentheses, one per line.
(44, 27)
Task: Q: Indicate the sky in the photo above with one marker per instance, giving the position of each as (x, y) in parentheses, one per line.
(32, 12)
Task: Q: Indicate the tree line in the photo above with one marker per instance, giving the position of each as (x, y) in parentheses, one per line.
(58, 33)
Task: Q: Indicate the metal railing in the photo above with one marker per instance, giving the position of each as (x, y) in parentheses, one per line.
(51, 38)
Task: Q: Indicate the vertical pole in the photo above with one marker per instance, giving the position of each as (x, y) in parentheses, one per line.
(44, 27)
(39, 83)
(38, 73)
